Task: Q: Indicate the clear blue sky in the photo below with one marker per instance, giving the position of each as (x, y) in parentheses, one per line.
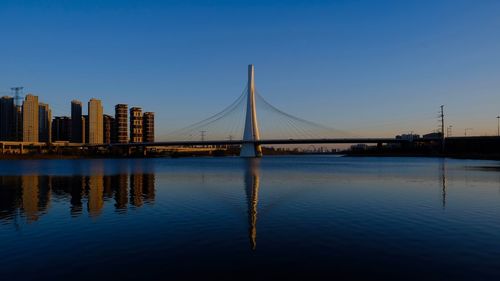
(371, 67)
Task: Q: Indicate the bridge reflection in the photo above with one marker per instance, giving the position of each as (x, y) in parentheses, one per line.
(252, 182)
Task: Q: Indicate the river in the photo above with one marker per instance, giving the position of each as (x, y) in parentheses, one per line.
(286, 218)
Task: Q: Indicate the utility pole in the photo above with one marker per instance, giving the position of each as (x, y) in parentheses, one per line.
(498, 126)
(442, 128)
(230, 137)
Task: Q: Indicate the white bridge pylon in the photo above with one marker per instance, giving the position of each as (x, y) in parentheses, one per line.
(251, 133)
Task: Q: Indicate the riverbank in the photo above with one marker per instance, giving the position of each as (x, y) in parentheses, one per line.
(235, 153)
(477, 156)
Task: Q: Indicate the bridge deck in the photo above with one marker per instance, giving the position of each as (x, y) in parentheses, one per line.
(222, 142)
(262, 142)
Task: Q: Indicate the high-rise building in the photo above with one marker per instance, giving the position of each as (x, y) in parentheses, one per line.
(85, 128)
(121, 123)
(19, 123)
(8, 118)
(148, 124)
(76, 122)
(44, 123)
(135, 124)
(95, 122)
(30, 118)
(108, 128)
(61, 128)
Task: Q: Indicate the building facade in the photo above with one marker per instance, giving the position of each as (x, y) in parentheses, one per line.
(30, 118)
(85, 128)
(8, 119)
(44, 123)
(136, 125)
(19, 123)
(148, 126)
(76, 122)
(108, 127)
(95, 122)
(121, 123)
(61, 128)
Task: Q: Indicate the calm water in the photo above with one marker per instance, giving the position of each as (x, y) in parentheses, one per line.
(301, 218)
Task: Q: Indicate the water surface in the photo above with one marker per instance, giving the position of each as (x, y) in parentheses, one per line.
(296, 218)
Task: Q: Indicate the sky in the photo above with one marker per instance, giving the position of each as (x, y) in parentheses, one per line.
(373, 68)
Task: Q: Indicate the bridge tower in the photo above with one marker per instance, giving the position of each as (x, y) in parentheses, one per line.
(251, 134)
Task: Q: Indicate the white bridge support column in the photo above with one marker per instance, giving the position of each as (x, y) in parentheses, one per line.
(251, 134)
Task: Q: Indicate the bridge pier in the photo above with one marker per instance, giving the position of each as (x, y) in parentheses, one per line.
(250, 148)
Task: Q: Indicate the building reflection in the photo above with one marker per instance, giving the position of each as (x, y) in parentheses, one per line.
(29, 196)
(252, 181)
(120, 184)
(149, 188)
(136, 182)
(95, 195)
(29, 186)
(35, 196)
(10, 196)
(71, 188)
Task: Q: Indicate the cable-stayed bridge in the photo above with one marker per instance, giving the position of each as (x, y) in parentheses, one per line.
(250, 121)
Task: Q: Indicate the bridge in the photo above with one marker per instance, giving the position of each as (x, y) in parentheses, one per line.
(236, 125)
(289, 130)
(258, 142)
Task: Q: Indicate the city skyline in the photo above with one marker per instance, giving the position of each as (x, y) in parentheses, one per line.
(328, 62)
(31, 121)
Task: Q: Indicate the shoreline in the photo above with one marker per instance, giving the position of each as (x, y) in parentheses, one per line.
(9, 157)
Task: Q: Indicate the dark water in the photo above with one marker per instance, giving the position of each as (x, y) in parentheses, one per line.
(294, 218)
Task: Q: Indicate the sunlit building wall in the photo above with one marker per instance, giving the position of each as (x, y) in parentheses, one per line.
(95, 122)
(30, 118)
(136, 124)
